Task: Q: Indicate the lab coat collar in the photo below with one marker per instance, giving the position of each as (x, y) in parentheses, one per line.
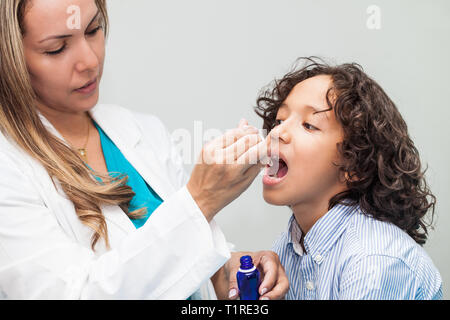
(105, 119)
(101, 115)
(121, 127)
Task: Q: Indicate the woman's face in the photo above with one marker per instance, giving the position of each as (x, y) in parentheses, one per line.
(64, 47)
(307, 143)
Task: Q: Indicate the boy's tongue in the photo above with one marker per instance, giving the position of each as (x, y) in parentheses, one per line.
(279, 169)
(283, 169)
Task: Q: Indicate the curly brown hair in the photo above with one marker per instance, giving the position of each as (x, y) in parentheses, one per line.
(382, 165)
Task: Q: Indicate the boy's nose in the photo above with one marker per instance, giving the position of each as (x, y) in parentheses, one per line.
(280, 133)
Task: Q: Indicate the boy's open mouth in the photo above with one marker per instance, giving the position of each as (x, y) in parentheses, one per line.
(275, 173)
(282, 169)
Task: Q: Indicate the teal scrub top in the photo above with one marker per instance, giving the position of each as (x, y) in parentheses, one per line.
(117, 164)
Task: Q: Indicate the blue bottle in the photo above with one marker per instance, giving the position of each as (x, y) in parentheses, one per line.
(248, 279)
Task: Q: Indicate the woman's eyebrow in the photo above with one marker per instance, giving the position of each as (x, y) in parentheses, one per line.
(68, 35)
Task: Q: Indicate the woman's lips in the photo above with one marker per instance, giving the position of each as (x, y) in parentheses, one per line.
(88, 88)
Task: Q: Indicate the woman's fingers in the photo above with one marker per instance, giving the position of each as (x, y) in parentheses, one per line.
(233, 152)
(242, 123)
(233, 135)
(256, 153)
(275, 284)
(233, 291)
(279, 290)
(218, 178)
(232, 147)
(241, 145)
(231, 269)
(270, 272)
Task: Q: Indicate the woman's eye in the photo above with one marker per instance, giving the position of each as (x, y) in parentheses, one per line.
(91, 33)
(94, 31)
(278, 122)
(51, 53)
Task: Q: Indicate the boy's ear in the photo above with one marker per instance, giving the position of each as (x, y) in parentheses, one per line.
(350, 177)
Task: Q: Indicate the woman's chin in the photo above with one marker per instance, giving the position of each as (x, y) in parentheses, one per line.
(85, 105)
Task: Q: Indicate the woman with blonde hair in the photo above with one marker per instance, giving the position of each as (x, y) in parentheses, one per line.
(94, 202)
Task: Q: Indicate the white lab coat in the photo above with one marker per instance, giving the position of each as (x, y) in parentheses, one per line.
(45, 250)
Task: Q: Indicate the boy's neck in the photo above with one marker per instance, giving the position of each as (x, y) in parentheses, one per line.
(307, 213)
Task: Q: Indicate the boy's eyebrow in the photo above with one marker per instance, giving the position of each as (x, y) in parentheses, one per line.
(316, 110)
(69, 35)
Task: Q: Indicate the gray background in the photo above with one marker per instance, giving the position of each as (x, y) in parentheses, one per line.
(206, 60)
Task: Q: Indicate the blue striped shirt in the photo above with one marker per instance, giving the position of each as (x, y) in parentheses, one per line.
(350, 255)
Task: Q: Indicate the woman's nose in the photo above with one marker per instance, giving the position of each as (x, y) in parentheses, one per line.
(88, 59)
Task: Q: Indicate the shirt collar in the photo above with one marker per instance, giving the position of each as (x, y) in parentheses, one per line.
(324, 233)
(294, 236)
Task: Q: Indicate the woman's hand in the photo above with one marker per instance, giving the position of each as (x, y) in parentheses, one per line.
(274, 282)
(226, 168)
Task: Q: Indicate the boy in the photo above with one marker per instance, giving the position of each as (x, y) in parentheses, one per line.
(352, 177)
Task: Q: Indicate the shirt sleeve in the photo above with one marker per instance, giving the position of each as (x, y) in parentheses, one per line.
(179, 176)
(377, 277)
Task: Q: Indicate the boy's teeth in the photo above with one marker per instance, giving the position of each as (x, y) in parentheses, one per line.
(267, 161)
(273, 167)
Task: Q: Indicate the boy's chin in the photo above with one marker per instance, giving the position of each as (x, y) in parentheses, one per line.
(274, 199)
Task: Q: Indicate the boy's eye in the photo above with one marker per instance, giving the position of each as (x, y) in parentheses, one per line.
(309, 126)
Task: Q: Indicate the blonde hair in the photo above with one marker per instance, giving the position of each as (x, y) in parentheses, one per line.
(20, 121)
